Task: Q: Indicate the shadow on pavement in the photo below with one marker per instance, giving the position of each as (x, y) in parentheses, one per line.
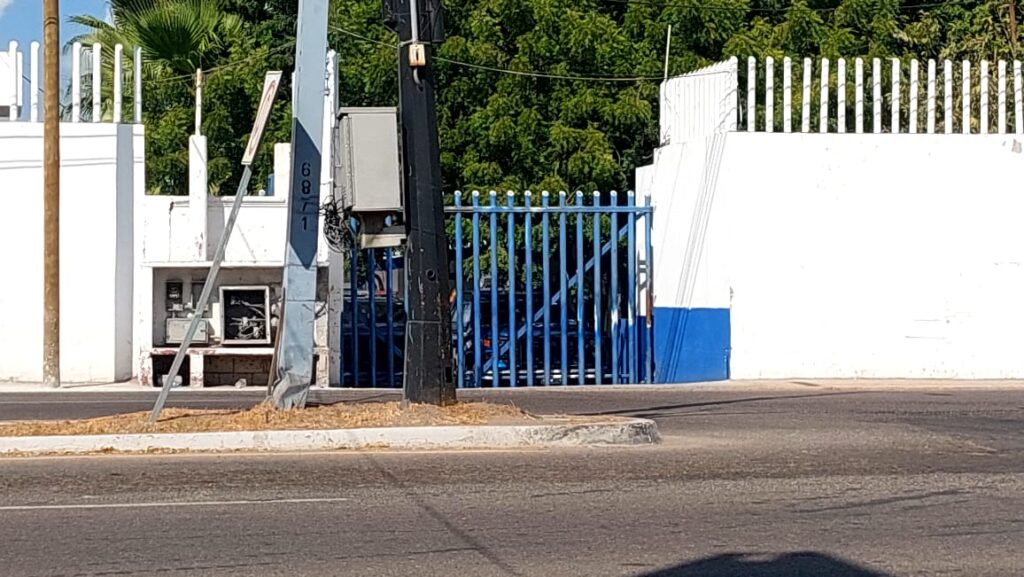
(797, 564)
(648, 411)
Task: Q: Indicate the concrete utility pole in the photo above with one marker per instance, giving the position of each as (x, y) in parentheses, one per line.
(295, 357)
(428, 346)
(51, 194)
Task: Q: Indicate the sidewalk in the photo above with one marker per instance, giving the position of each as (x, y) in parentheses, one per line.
(721, 386)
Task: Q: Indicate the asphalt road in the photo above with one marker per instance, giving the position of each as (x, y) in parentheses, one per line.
(805, 481)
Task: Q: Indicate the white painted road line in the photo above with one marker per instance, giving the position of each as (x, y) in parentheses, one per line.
(170, 504)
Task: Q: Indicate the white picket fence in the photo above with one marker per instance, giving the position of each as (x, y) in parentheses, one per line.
(13, 78)
(895, 90)
(858, 96)
(699, 104)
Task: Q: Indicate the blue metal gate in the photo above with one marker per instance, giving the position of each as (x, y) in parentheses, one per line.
(545, 293)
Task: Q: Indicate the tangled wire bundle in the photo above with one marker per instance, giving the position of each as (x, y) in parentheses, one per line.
(337, 231)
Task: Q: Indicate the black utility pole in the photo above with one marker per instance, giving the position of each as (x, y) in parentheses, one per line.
(428, 345)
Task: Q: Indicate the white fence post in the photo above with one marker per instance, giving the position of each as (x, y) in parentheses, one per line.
(769, 94)
(913, 96)
(138, 84)
(76, 82)
(1001, 115)
(965, 95)
(984, 97)
(895, 122)
(931, 96)
(947, 96)
(19, 85)
(858, 66)
(33, 83)
(876, 94)
(118, 82)
(805, 122)
(12, 102)
(787, 95)
(751, 94)
(823, 114)
(97, 78)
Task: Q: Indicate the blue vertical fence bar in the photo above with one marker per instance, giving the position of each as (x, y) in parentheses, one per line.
(545, 220)
(477, 344)
(563, 306)
(622, 340)
(511, 248)
(581, 362)
(528, 285)
(371, 285)
(354, 297)
(614, 289)
(389, 269)
(598, 303)
(460, 323)
(631, 334)
(648, 292)
(495, 355)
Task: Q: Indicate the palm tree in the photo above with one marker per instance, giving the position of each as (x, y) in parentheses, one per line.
(177, 37)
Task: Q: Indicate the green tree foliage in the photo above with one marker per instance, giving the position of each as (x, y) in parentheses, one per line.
(533, 94)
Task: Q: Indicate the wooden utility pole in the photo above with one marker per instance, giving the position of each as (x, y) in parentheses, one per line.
(51, 193)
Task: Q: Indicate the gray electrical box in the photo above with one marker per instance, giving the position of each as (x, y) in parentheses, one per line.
(175, 330)
(368, 172)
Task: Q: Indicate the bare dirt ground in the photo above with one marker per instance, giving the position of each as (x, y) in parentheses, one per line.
(264, 417)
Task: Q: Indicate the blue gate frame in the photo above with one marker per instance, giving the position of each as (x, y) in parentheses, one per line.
(548, 275)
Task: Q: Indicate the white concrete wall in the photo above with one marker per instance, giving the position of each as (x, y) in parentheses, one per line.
(850, 256)
(97, 254)
(259, 238)
(689, 236)
(169, 235)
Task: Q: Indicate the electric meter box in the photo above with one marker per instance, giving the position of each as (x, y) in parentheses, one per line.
(368, 172)
(175, 329)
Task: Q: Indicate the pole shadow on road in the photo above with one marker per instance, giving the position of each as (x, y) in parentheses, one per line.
(796, 564)
(660, 410)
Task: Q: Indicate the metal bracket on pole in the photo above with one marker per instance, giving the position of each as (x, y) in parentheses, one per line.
(270, 86)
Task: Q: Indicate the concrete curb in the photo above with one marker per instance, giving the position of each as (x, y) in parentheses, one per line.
(567, 434)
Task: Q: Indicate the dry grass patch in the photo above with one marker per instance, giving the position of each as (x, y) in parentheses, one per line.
(265, 418)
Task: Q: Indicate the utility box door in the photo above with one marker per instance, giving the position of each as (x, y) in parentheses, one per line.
(369, 174)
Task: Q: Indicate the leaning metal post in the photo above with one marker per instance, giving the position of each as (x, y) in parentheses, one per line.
(270, 85)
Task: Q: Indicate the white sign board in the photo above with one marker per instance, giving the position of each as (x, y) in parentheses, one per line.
(270, 86)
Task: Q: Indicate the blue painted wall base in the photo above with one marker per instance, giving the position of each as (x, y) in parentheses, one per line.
(691, 345)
